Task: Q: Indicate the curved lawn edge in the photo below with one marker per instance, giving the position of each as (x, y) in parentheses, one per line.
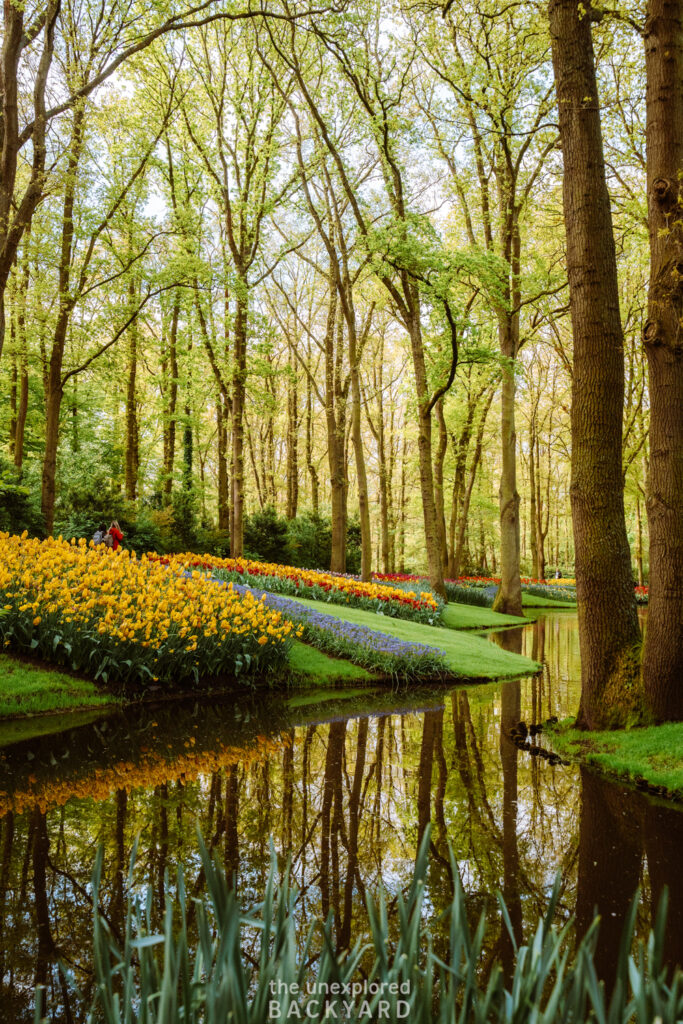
(467, 656)
(470, 616)
(648, 757)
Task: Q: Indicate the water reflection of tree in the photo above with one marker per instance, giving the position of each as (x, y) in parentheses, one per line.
(347, 800)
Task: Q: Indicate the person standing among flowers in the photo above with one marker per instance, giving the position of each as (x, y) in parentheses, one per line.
(114, 532)
(99, 535)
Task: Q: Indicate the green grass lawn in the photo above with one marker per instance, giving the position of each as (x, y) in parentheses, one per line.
(469, 616)
(27, 689)
(310, 664)
(654, 753)
(532, 601)
(469, 657)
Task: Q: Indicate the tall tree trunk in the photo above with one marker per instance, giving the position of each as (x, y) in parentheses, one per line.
(22, 346)
(439, 459)
(424, 448)
(55, 390)
(132, 458)
(292, 440)
(335, 436)
(461, 449)
(402, 514)
(663, 339)
(222, 417)
(533, 511)
(509, 597)
(238, 395)
(639, 544)
(359, 455)
(171, 402)
(312, 471)
(382, 464)
(467, 495)
(608, 621)
(14, 386)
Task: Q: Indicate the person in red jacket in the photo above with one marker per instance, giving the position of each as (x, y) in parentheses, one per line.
(115, 534)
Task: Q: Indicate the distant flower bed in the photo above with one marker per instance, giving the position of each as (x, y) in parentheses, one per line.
(642, 595)
(321, 586)
(366, 647)
(123, 619)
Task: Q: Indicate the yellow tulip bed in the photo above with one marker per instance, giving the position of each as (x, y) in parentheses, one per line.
(320, 586)
(128, 620)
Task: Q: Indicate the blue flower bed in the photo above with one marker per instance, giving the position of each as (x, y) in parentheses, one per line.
(400, 659)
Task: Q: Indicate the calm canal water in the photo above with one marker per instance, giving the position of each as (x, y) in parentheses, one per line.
(342, 783)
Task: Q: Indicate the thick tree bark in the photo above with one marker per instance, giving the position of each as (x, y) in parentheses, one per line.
(663, 339)
(608, 622)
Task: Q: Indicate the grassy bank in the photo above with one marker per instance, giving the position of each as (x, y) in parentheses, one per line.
(470, 616)
(309, 665)
(31, 689)
(652, 755)
(468, 657)
(534, 601)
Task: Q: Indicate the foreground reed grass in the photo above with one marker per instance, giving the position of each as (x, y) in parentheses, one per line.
(170, 978)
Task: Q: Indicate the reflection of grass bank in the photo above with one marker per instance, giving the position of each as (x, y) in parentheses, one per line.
(30, 689)
(650, 757)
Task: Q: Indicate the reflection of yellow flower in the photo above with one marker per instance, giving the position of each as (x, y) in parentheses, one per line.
(149, 771)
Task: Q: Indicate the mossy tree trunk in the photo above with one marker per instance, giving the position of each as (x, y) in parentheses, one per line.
(608, 622)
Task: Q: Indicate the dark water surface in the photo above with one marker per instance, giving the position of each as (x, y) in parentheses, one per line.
(345, 786)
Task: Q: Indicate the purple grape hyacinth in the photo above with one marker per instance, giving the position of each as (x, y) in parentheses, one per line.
(364, 646)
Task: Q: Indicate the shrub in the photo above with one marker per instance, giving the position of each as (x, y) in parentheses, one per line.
(479, 596)
(310, 540)
(266, 533)
(18, 508)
